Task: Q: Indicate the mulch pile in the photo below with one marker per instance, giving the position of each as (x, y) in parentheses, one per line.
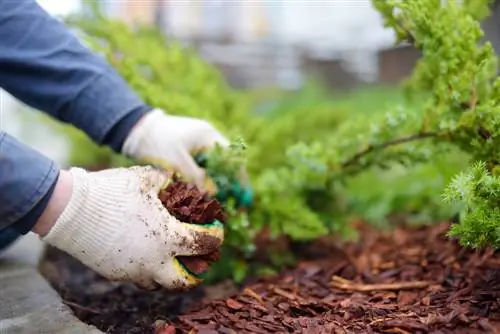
(405, 281)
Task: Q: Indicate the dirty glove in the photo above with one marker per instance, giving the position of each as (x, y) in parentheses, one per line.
(170, 142)
(115, 224)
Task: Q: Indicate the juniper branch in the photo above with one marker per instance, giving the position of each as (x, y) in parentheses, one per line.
(389, 143)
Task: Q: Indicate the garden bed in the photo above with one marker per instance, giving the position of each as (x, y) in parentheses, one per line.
(406, 281)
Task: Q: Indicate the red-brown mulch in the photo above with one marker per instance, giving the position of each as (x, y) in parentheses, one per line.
(188, 204)
(406, 281)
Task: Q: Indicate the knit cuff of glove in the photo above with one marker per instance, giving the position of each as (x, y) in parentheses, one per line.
(140, 132)
(86, 228)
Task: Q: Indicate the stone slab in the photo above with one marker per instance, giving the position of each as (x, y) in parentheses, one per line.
(29, 304)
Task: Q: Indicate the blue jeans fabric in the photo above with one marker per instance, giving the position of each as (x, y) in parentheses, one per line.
(7, 237)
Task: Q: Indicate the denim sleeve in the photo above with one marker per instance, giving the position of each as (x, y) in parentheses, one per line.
(47, 67)
(27, 179)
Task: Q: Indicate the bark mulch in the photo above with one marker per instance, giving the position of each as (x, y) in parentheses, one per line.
(410, 280)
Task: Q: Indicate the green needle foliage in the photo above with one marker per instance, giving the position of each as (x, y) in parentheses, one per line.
(303, 161)
(479, 192)
(461, 74)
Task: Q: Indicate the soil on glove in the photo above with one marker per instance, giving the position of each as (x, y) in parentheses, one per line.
(404, 281)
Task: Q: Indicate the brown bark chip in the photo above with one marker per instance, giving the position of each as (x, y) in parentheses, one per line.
(412, 280)
(189, 205)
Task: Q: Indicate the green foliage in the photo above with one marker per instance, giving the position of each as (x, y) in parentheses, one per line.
(414, 193)
(461, 75)
(314, 160)
(478, 192)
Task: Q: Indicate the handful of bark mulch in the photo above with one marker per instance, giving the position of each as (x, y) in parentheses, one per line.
(189, 205)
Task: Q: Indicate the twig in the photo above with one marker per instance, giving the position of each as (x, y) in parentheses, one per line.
(344, 284)
(286, 294)
(249, 292)
(397, 330)
(388, 143)
(81, 307)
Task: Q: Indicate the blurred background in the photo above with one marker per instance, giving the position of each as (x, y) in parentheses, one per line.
(263, 44)
(257, 45)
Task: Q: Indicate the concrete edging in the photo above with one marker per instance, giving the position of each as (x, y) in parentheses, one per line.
(28, 303)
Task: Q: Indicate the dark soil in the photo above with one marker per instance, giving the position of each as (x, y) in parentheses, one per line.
(405, 281)
(113, 308)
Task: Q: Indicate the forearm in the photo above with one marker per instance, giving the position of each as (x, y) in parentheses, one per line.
(44, 65)
(27, 181)
(55, 204)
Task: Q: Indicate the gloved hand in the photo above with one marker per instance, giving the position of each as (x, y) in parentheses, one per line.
(115, 224)
(171, 143)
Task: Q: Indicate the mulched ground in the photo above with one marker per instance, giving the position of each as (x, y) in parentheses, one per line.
(406, 281)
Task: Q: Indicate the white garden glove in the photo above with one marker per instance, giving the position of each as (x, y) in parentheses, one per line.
(171, 142)
(116, 225)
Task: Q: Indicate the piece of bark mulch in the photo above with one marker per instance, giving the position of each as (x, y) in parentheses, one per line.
(405, 281)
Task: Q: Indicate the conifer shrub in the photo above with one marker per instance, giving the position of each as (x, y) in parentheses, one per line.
(314, 166)
(460, 72)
